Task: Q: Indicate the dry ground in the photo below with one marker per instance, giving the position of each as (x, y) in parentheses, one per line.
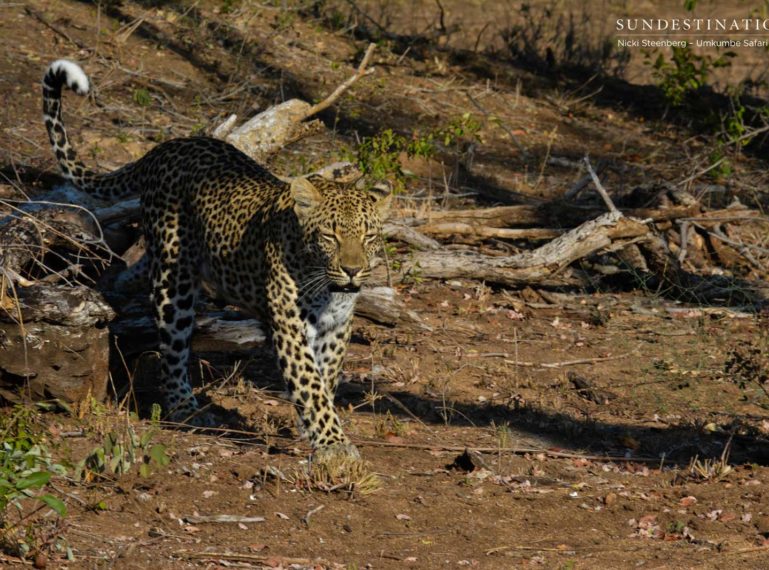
(614, 477)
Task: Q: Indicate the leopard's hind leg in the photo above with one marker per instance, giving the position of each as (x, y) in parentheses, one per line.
(175, 288)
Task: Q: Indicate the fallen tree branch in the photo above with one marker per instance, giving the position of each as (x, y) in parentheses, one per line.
(599, 187)
(475, 232)
(274, 128)
(331, 99)
(197, 519)
(565, 363)
(541, 265)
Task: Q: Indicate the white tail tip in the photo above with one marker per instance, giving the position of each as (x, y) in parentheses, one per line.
(76, 78)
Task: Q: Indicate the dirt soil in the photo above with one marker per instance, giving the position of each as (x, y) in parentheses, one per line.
(632, 444)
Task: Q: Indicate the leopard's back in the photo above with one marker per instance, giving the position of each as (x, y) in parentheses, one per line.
(226, 205)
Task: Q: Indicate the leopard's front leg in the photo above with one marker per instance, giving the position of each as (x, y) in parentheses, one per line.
(305, 384)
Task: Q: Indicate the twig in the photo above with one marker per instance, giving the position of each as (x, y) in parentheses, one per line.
(306, 518)
(246, 557)
(686, 181)
(568, 362)
(684, 232)
(741, 247)
(328, 101)
(196, 519)
(510, 450)
(599, 187)
(491, 551)
(577, 187)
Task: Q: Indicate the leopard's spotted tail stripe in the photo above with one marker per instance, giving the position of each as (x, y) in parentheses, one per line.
(63, 72)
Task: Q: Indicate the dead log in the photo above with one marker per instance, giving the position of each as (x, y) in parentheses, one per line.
(406, 234)
(474, 232)
(52, 340)
(271, 130)
(382, 305)
(53, 343)
(220, 331)
(231, 331)
(561, 214)
(544, 265)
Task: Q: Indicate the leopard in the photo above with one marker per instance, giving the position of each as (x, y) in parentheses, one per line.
(293, 253)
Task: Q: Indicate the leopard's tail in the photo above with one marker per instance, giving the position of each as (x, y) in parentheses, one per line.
(59, 73)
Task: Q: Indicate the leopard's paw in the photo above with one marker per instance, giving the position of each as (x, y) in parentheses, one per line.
(336, 453)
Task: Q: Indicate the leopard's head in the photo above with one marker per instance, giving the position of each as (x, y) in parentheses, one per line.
(341, 225)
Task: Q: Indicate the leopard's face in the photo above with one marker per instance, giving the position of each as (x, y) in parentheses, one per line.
(341, 226)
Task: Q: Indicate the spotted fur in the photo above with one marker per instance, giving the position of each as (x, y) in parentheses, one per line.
(294, 254)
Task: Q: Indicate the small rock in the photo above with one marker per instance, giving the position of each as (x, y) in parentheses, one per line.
(688, 501)
(40, 561)
(610, 499)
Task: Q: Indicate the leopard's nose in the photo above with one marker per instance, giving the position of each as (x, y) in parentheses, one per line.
(351, 271)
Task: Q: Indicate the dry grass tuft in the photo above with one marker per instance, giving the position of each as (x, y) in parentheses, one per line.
(341, 473)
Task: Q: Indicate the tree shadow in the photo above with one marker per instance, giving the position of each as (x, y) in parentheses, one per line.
(674, 445)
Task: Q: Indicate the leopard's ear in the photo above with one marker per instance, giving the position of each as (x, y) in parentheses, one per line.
(306, 197)
(381, 193)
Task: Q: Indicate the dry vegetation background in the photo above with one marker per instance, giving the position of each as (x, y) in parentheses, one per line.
(544, 376)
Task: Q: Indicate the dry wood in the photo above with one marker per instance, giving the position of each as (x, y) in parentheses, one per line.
(382, 305)
(331, 99)
(229, 331)
(272, 561)
(477, 233)
(565, 363)
(498, 217)
(542, 265)
(599, 187)
(52, 345)
(306, 518)
(274, 128)
(409, 235)
(27, 235)
(197, 519)
(543, 215)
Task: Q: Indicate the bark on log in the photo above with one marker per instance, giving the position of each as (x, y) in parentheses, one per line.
(229, 331)
(271, 130)
(543, 265)
(53, 344)
(544, 215)
(382, 305)
(474, 232)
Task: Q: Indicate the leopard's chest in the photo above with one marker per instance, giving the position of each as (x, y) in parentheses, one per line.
(327, 315)
(329, 312)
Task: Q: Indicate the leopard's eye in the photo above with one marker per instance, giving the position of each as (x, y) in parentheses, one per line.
(328, 234)
(370, 238)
